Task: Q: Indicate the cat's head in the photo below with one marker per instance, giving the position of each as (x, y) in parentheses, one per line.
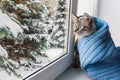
(83, 25)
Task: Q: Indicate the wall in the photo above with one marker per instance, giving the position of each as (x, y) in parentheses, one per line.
(110, 12)
(88, 6)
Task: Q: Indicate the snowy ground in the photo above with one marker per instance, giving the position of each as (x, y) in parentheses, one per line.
(52, 54)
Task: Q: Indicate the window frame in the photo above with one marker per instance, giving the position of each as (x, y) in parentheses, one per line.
(55, 68)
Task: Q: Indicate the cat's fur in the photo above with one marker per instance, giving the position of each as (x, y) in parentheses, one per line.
(82, 26)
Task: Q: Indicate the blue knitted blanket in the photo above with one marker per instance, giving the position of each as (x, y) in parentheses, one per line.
(99, 56)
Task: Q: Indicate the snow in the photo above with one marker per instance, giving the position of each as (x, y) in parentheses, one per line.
(5, 76)
(23, 7)
(3, 52)
(54, 53)
(59, 33)
(61, 39)
(35, 1)
(33, 37)
(9, 24)
(23, 71)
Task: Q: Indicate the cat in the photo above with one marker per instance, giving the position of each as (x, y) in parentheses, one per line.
(82, 26)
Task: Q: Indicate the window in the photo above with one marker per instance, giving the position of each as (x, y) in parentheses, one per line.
(33, 34)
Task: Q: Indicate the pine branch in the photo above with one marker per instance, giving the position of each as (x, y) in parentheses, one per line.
(8, 66)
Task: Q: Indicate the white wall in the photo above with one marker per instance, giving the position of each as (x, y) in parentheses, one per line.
(88, 6)
(109, 10)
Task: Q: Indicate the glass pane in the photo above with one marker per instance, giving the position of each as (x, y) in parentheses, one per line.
(33, 33)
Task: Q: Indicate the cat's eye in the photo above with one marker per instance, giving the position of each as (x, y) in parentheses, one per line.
(80, 27)
(76, 28)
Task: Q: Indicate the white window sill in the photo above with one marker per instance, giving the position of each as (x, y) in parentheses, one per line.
(73, 74)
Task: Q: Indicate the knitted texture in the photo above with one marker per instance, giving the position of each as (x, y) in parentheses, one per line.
(99, 56)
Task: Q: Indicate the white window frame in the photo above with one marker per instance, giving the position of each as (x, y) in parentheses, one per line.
(54, 69)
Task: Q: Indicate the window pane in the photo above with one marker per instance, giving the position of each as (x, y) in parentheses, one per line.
(33, 33)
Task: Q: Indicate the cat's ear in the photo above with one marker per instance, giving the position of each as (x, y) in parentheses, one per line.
(74, 23)
(88, 18)
(74, 18)
(86, 14)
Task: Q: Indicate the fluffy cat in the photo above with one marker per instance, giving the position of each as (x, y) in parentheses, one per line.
(82, 26)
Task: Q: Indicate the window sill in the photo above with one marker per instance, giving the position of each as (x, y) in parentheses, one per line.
(73, 74)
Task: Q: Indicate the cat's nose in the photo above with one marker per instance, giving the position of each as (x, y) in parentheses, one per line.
(86, 28)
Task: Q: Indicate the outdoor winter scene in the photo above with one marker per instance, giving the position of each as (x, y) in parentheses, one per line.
(33, 33)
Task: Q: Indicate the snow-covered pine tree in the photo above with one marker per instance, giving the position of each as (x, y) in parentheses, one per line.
(59, 27)
(6, 64)
(7, 39)
(36, 33)
(33, 17)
